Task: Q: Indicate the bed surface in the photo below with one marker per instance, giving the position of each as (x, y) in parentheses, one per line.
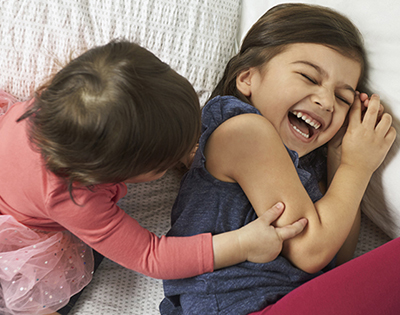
(197, 38)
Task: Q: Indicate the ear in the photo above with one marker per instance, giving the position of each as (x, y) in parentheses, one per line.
(244, 81)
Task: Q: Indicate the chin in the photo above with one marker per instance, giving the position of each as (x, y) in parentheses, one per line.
(300, 151)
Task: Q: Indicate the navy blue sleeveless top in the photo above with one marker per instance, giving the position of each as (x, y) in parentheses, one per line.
(205, 204)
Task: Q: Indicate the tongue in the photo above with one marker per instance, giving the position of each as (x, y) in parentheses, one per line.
(299, 123)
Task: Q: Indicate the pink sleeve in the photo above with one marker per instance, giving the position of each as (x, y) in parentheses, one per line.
(109, 230)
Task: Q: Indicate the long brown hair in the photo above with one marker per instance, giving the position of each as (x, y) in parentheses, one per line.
(113, 113)
(288, 24)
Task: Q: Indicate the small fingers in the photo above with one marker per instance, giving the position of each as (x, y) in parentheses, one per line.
(364, 98)
(290, 231)
(373, 111)
(385, 128)
(355, 112)
(365, 101)
(381, 110)
(391, 135)
(384, 124)
(274, 212)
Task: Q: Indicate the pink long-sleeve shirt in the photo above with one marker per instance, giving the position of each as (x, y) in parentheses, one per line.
(39, 199)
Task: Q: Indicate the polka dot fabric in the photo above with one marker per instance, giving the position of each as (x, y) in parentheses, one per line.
(370, 237)
(40, 271)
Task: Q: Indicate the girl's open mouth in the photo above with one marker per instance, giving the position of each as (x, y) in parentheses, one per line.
(303, 124)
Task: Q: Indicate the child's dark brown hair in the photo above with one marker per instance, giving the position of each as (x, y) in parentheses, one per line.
(291, 23)
(113, 113)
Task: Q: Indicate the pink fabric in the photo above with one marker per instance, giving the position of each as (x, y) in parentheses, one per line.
(367, 285)
(40, 271)
(6, 100)
(39, 200)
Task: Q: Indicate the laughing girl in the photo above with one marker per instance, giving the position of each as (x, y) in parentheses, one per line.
(277, 114)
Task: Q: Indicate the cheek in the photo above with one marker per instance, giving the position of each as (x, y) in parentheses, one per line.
(339, 120)
(342, 114)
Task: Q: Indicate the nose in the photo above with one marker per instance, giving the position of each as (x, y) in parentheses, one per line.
(325, 99)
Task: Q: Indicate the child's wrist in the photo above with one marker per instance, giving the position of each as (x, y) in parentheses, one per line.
(359, 171)
(228, 249)
(242, 248)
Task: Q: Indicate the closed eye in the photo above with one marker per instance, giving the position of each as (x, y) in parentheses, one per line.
(315, 82)
(309, 78)
(343, 100)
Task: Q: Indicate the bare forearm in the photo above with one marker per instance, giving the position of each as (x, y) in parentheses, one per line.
(258, 241)
(330, 222)
(341, 202)
(346, 252)
(227, 251)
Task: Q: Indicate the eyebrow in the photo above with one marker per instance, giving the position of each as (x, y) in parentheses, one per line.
(323, 73)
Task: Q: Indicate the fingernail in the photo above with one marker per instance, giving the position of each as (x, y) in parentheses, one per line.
(279, 205)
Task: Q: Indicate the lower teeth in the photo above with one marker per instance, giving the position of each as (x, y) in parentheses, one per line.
(301, 132)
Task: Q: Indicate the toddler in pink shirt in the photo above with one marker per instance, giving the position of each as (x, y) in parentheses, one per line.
(114, 115)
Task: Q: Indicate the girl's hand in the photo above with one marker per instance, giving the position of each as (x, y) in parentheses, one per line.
(364, 105)
(335, 144)
(258, 241)
(369, 134)
(262, 242)
(334, 154)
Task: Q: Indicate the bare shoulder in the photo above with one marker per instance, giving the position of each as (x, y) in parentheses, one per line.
(245, 124)
(243, 131)
(236, 141)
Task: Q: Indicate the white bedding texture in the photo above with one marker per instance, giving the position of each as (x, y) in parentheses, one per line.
(197, 38)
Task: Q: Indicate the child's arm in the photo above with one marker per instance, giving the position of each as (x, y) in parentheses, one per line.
(247, 149)
(347, 250)
(258, 241)
(334, 151)
(112, 232)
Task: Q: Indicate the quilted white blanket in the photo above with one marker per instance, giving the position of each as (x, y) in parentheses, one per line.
(196, 38)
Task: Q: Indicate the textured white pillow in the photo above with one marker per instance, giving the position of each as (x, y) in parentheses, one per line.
(196, 38)
(379, 23)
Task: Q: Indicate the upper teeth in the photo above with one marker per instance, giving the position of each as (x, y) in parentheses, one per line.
(307, 119)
